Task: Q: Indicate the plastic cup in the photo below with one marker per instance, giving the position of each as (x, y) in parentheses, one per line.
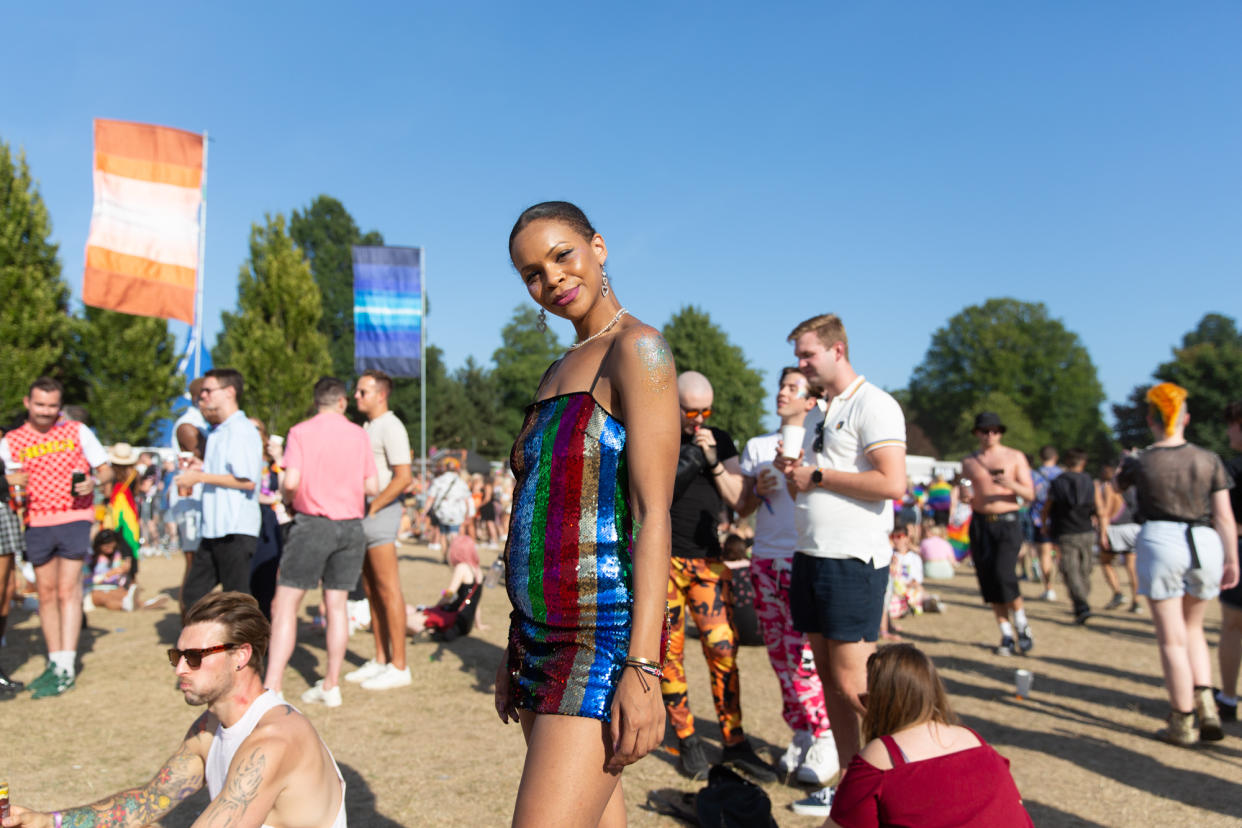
(1022, 680)
(791, 439)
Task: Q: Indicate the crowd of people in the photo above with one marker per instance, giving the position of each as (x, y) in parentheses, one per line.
(626, 517)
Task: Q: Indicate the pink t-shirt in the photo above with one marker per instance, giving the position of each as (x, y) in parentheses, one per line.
(334, 458)
(936, 549)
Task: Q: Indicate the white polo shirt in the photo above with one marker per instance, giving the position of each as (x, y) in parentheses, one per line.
(860, 419)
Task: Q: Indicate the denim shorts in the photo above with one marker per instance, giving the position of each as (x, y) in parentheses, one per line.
(322, 549)
(64, 540)
(1162, 558)
(841, 599)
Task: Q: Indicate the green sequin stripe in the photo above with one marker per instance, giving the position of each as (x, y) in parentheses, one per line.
(539, 520)
(625, 539)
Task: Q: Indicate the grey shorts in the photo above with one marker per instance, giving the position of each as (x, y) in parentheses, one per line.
(1162, 558)
(1122, 536)
(382, 527)
(322, 549)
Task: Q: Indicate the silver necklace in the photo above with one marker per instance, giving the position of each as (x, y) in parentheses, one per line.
(600, 332)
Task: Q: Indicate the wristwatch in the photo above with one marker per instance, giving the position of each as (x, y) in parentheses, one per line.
(817, 476)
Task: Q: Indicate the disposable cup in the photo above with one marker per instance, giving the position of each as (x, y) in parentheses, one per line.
(791, 439)
(1022, 681)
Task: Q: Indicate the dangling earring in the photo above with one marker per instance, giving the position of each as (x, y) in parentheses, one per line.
(604, 292)
(541, 324)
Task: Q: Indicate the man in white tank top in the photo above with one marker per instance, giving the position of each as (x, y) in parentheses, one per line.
(262, 761)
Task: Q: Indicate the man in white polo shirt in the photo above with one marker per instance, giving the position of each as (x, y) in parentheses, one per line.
(853, 463)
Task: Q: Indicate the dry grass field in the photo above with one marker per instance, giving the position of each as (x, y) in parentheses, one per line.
(435, 754)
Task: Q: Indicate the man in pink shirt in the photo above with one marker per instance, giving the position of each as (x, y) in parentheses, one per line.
(329, 471)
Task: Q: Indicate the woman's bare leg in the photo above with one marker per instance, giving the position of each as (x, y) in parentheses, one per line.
(1230, 648)
(1193, 610)
(1174, 660)
(564, 782)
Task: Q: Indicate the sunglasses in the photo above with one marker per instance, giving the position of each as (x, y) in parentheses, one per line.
(194, 658)
(694, 412)
(818, 445)
(992, 430)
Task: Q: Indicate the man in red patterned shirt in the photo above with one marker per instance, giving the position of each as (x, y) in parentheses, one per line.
(56, 456)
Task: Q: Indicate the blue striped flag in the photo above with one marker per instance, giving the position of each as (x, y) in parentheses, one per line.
(388, 310)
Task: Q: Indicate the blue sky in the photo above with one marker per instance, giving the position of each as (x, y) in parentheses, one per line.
(890, 162)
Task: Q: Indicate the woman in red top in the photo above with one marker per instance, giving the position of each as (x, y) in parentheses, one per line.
(920, 767)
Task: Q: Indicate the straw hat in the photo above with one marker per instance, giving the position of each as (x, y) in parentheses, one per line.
(123, 454)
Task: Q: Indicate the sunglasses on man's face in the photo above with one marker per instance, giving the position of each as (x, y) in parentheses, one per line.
(194, 658)
(694, 412)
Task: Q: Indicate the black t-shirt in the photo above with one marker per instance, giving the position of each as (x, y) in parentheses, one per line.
(1234, 467)
(697, 503)
(1175, 483)
(1071, 498)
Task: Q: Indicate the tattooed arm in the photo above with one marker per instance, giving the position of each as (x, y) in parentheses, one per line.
(180, 777)
(256, 777)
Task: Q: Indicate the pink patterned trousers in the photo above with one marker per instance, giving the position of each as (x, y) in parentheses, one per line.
(788, 650)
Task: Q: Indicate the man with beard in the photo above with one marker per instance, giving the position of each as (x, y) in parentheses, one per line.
(262, 760)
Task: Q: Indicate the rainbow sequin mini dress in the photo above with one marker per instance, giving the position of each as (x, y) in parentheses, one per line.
(569, 572)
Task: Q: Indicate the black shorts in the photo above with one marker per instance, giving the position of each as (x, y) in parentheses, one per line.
(995, 541)
(840, 599)
(1233, 596)
(224, 561)
(64, 540)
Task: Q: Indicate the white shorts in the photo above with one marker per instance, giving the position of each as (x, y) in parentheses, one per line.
(1162, 558)
(1122, 536)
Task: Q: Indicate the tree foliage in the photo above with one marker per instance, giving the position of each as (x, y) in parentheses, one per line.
(34, 325)
(1209, 366)
(1013, 357)
(521, 360)
(325, 232)
(274, 337)
(700, 345)
(124, 370)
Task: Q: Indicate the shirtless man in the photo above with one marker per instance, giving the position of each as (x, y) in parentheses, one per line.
(999, 475)
(271, 768)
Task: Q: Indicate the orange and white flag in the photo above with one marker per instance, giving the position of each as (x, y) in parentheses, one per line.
(142, 253)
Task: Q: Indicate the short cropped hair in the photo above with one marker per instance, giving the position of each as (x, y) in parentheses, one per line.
(328, 390)
(1047, 453)
(812, 391)
(828, 327)
(1075, 456)
(381, 379)
(47, 384)
(903, 690)
(230, 377)
(241, 618)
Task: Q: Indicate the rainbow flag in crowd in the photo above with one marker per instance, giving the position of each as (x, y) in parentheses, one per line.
(940, 495)
(959, 537)
(123, 515)
(142, 252)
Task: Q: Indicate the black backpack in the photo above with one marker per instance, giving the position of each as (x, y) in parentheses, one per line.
(729, 801)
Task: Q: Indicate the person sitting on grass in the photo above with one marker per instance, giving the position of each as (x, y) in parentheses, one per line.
(920, 766)
(458, 610)
(110, 578)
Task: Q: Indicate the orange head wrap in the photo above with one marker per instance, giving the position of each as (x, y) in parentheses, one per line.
(1169, 399)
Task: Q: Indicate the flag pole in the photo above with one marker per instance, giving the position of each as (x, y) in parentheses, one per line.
(422, 368)
(202, 263)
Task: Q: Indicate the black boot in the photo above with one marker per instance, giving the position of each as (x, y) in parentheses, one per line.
(8, 685)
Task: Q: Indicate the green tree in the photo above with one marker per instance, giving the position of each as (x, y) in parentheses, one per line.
(34, 325)
(274, 338)
(1017, 351)
(325, 232)
(700, 345)
(521, 360)
(1209, 366)
(124, 370)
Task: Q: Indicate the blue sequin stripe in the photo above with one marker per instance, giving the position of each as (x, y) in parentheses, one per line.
(611, 632)
(517, 572)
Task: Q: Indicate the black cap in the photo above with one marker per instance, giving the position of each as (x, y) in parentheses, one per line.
(988, 419)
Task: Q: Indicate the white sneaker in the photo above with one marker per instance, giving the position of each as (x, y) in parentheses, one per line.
(388, 679)
(369, 670)
(817, 804)
(821, 762)
(317, 695)
(1049, 595)
(795, 754)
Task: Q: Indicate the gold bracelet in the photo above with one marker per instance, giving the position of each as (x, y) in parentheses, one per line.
(644, 661)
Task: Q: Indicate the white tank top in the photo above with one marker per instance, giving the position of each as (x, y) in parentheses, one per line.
(228, 739)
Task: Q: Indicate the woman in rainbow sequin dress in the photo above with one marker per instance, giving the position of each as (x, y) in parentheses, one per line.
(594, 462)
